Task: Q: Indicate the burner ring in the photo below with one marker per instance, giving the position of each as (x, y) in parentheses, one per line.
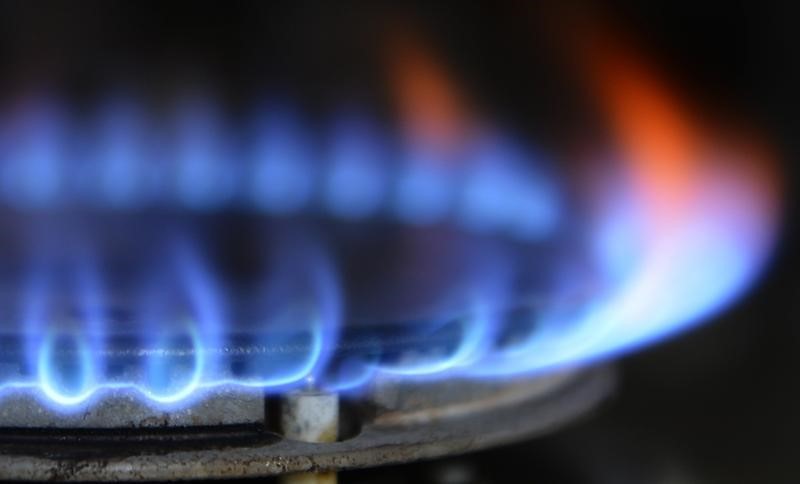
(409, 422)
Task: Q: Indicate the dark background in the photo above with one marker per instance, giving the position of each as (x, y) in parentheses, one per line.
(716, 405)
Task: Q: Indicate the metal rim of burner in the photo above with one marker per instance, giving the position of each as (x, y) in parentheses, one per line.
(396, 422)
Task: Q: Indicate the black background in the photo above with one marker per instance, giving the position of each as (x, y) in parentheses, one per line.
(717, 405)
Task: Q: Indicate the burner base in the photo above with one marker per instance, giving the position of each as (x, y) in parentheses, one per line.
(397, 423)
(121, 410)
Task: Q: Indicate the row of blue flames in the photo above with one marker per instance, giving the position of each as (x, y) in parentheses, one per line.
(271, 161)
(122, 159)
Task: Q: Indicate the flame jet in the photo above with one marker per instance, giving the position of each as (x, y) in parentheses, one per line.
(680, 224)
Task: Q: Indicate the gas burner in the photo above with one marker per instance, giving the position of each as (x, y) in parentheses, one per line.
(214, 277)
(395, 422)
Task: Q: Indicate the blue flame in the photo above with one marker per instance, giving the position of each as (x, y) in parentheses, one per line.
(473, 332)
(425, 190)
(503, 192)
(34, 154)
(204, 180)
(169, 377)
(302, 347)
(709, 258)
(513, 311)
(64, 356)
(66, 380)
(357, 176)
(119, 155)
(282, 173)
(352, 374)
(482, 297)
(174, 368)
(293, 323)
